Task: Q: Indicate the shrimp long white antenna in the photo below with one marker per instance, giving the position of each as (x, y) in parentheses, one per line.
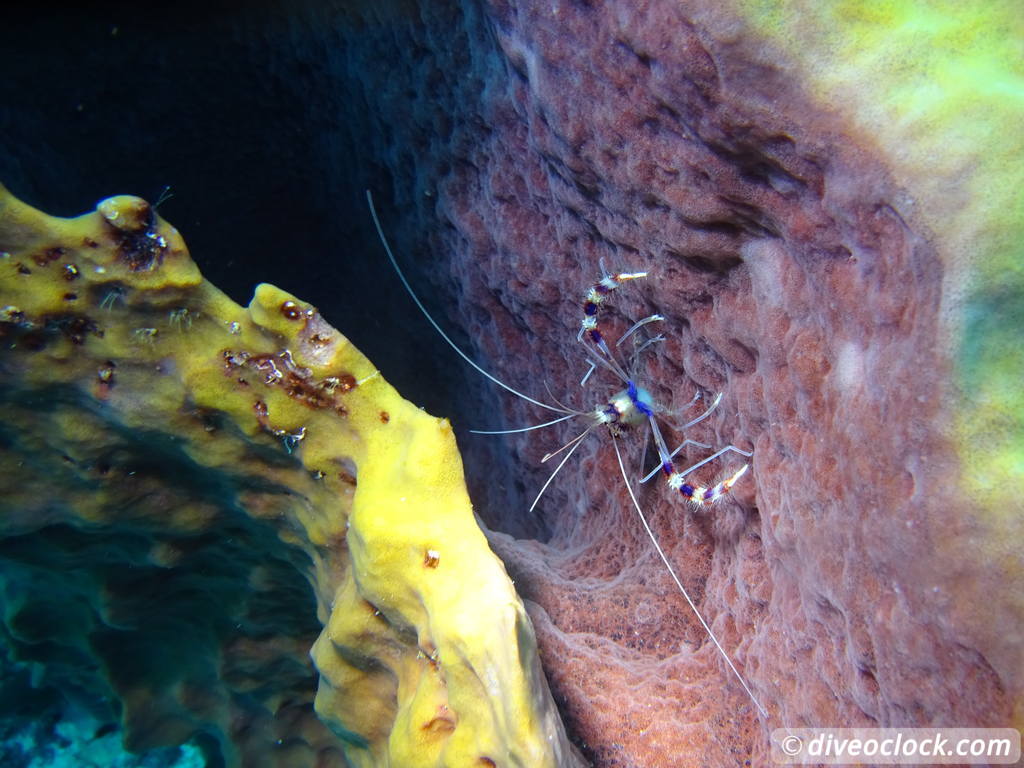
(423, 309)
(578, 438)
(524, 429)
(566, 408)
(675, 578)
(576, 442)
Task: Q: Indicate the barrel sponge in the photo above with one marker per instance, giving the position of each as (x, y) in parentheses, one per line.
(938, 89)
(240, 485)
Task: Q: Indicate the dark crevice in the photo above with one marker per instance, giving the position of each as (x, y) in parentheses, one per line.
(717, 265)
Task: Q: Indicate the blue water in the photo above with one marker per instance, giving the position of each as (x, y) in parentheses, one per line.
(71, 744)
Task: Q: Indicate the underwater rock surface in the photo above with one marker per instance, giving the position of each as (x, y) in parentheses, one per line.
(199, 499)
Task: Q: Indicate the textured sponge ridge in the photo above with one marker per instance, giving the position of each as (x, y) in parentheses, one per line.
(206, 505)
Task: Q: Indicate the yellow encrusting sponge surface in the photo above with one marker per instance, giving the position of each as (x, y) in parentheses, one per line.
(285, 495)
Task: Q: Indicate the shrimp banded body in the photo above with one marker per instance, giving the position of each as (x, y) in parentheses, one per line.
(629, 409)
(634, 406)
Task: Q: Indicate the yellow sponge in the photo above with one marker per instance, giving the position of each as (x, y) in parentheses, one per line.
(427, 657)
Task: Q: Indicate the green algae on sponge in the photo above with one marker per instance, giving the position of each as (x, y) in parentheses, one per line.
(200, 498)
(937, 87)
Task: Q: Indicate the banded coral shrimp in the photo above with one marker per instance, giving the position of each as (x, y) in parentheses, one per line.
(627, 410)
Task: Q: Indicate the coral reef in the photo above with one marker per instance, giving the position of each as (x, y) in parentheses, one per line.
(196, 494)
(71, 743)
(828, 199)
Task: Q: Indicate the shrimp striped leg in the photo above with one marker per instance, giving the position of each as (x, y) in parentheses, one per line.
(700, 495)
(592, 303)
